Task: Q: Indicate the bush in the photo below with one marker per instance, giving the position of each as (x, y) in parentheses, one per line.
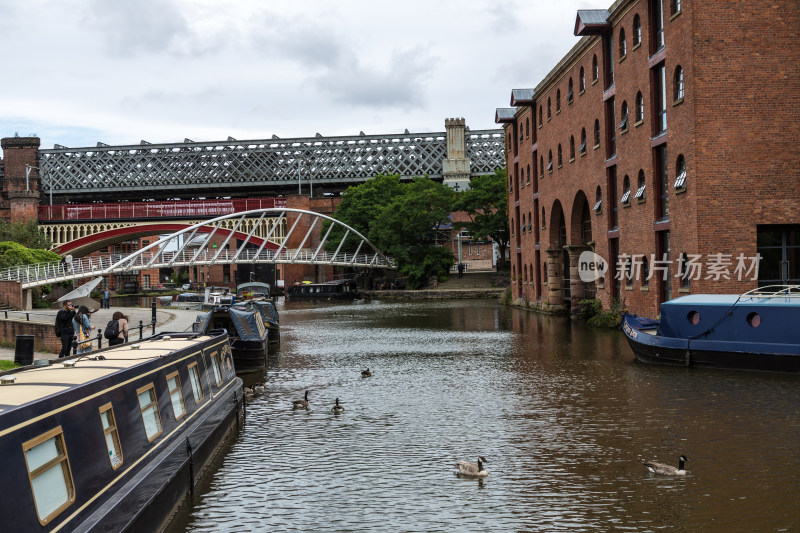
(612, 318)
(588, 308)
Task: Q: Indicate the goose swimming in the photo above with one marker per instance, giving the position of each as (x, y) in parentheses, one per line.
(366, 373)
(667, 470)
(301, 404)
(466, 468)
(337, 409)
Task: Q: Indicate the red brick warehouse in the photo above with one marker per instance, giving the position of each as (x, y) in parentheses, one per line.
(666, 141)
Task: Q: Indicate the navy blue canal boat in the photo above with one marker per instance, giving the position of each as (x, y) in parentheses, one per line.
(269, 315)
(341, 289)
(755, 331)
(115, 440)
(249, 340)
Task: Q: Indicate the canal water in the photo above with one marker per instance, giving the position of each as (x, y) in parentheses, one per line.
(562, 412)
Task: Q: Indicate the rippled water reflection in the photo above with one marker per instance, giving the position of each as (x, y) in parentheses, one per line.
(562, 412)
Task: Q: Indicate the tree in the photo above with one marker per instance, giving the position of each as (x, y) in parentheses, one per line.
(406, 230)
(402, 220)
(486, 204)
(27, 234)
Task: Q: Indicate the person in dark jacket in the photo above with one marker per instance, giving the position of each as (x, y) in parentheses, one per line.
(64, 323)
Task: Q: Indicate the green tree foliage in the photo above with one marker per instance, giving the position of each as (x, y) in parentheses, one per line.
(402, 220)
(27, 234)
(486, 203)
(14, 254)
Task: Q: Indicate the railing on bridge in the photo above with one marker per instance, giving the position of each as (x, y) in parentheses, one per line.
(129, 210)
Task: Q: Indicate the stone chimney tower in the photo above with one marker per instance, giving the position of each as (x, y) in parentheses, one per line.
(455, 168)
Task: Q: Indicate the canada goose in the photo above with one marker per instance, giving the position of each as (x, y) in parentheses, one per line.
(667, 470)
(337, 409)
(301, 404)
(472, 469)
(366, 373)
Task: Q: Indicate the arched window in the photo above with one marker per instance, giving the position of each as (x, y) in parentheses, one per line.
(678, 83)
(540, 115)
(623, 45)
(571, 147)
(541, 166)
(598, 200)
(523, 228)
(569, 91)
(525, 273)
(626, 190)
(645, 272)
(640, 187)
(549, 109)
(582, 81)
(623, 123)
(595, 69)
(550, 161)
(530, 221)
(582, 148)
(527, 127)
(544, 220)
(558, 101)
(639, 107)
(637, 30)
(680, 173)
(560, 159)
(675, 7)
(597, 132)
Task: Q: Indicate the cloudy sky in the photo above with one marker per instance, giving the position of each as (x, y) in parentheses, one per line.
(75, 72)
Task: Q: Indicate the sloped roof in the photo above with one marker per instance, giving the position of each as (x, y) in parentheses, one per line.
(522, 96)
(504, 114)
(592, 22)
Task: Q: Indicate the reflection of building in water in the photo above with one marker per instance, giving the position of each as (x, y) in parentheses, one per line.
(640, 143)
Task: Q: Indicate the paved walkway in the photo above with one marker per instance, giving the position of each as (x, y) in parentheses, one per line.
(167, 320)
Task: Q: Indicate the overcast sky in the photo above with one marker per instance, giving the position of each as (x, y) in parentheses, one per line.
(75, 72)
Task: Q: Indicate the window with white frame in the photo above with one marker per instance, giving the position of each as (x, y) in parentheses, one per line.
(148, 405)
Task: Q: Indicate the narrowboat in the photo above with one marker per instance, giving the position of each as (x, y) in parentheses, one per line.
(342, 289)
(249, 341)
(253, 289)
(269, 315)
(754, 331)
(114, 440)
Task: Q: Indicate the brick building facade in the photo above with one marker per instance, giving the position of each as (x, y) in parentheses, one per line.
(666, 141)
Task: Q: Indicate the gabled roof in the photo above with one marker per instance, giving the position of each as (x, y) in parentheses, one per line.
(504, 114)
(592, 22)
(522, 97)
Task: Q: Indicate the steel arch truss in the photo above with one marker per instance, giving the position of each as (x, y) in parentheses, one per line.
(232, 164)
(193, 246)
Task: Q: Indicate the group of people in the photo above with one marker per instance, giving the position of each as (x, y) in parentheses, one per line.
(76, 324)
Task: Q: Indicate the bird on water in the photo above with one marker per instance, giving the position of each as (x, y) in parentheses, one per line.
(667, 470)
(337, 409)
(366, 373)
(466, 468)
(301, 404)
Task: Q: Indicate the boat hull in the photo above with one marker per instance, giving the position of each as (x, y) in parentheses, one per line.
(650, 348)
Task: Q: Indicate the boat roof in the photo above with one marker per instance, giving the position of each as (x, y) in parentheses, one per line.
(716, 300)
(255, 284)
(39, 382)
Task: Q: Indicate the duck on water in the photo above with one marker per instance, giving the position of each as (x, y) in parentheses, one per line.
(667, 470)
(301, 404)
(465, 468)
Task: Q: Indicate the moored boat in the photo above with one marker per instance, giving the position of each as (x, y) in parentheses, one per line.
(342, 289)
(269, 314)
(754, 331)
(249, 338)
(115, 440)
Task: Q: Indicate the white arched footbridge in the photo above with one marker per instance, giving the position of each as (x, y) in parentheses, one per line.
(187, 248)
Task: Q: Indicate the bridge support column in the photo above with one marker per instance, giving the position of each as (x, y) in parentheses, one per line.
(27, 299)
(456, 167)
(20, 192)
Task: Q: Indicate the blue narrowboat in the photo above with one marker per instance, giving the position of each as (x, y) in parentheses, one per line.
(249, 338)
(113, 440)
(340, 289)
(269, 315)
(755, 331)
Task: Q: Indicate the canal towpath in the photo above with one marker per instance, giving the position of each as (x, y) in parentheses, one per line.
(166, 320)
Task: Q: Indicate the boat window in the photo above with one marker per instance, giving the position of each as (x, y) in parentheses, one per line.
(176, 395)
(49, 474)
(148, 405)
(111, 435)
(754, 319)
(194, 378)
(215, 367)
(693, 317)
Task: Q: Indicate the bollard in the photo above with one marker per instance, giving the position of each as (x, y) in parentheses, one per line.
(74, 345)
(99, 340)
(154, 327)
(141, 328)
(153, 308)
